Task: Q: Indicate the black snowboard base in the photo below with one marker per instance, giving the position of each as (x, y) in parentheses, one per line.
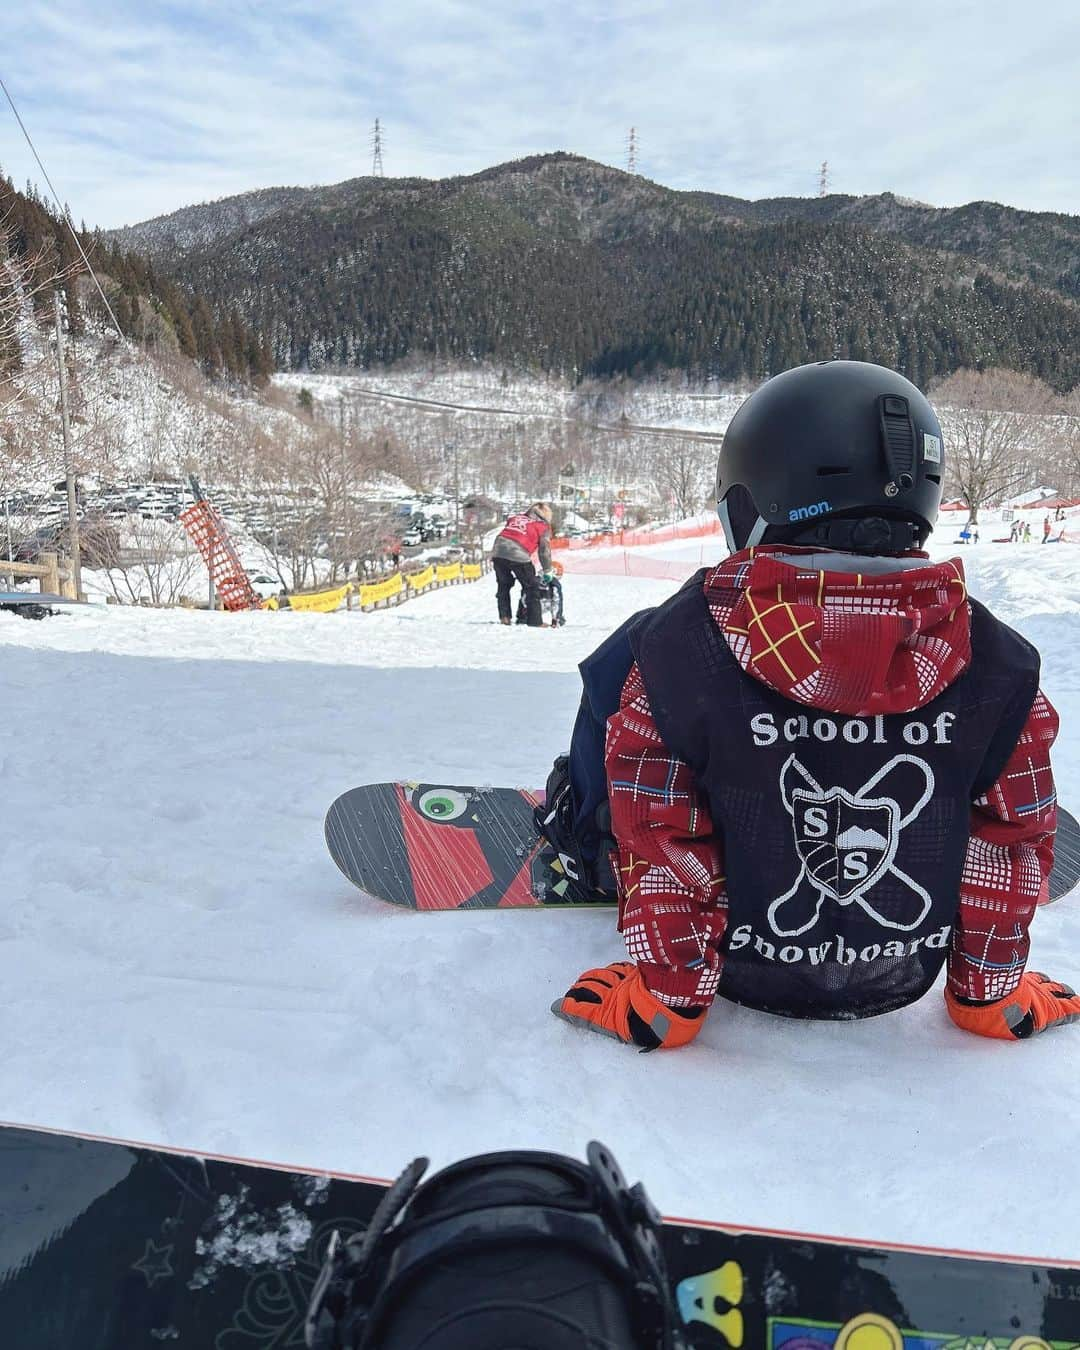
(109, 1245)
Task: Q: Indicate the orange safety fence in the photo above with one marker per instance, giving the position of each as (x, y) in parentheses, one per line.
(689, 529)
(624, 563)
(210, 535)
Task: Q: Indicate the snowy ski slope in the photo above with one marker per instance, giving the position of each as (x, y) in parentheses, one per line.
(181, 962)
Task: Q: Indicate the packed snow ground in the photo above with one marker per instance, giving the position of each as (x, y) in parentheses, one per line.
(181, 962)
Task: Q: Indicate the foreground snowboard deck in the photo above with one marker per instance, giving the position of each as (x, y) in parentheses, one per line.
(428, 846)
(109, 1245)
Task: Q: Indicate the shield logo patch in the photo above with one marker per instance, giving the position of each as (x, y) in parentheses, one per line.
(846, 845)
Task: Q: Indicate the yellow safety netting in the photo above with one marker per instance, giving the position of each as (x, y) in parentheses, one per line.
(380, 590)
(325, 601)
(322, 601)
(419, 581)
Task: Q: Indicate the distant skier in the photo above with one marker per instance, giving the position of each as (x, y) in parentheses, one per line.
(523, 535)
(1046, 528)
(809, 811)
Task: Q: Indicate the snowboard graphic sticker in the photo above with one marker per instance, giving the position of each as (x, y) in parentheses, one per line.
(432, 846)
(847, 842)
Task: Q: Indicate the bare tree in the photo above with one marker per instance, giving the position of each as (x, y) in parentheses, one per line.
(22, 281)
(995, 424)
(1067, 445)
(151, 561)
(681, 471)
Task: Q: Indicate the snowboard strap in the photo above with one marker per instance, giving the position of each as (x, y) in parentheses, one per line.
(436, 1266)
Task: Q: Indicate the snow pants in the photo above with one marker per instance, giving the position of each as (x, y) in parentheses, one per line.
(506, 572)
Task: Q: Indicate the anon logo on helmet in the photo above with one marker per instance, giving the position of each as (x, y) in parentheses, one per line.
(808, 512)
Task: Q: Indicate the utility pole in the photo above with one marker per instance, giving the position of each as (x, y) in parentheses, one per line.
(72, 501)
(631, 151)
(7, 526)
(211, 594)
(346, 508)
(376, 151)
(457, 492)
(823, 179)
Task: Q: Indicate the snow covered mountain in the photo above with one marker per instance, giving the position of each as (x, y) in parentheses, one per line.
(1041, 245)
(578, 269)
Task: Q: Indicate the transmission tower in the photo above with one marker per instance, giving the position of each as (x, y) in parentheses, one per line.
(376, 151)
(823, 179)
(631, 151)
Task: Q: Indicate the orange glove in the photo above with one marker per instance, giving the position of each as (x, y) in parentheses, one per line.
(1036, 1004)
(613, 1000)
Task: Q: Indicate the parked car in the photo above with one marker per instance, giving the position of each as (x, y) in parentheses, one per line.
(263, 584)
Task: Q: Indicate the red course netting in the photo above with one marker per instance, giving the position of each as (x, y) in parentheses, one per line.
(623, 563)
(691, 529)
(208, 532)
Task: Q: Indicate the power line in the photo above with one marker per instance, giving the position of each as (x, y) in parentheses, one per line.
(376, 151)
(631, 151)
(823, 179)
(63, 213)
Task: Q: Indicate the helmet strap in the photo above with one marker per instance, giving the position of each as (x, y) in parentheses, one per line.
(731, 532)
(870, 535)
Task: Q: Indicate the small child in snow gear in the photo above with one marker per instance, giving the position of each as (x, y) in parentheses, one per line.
(523, 535)
(551, 598)
(821, 770)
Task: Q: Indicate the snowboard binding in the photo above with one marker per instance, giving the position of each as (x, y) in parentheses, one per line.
(504, 1248)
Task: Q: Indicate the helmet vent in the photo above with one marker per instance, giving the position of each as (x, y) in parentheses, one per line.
(898, 437)
(901, 441)
(832, 470)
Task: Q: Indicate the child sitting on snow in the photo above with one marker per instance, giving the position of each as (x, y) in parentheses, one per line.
(822, 768)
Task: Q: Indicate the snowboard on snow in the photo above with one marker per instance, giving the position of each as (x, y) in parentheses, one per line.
(109, 1245)
(428, 846)
(33, 604)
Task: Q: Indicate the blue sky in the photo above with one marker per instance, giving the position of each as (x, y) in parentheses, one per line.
(139, 108)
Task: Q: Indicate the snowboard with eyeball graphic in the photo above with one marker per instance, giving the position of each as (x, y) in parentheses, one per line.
(430, 846)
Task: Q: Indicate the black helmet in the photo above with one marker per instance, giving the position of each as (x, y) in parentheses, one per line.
(840, 454)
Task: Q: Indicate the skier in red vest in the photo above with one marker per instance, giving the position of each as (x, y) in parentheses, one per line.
(828, 769)
(524, 534)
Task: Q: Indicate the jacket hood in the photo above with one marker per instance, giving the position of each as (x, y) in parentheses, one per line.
(840, 632)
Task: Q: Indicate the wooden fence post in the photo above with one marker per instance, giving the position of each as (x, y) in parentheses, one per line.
(51, 577)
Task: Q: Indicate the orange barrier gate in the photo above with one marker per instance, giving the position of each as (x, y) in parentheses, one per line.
(210, 535)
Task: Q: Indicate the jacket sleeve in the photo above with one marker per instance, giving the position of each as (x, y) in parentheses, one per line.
(543, 547)
(669, 869)
(1009, 856)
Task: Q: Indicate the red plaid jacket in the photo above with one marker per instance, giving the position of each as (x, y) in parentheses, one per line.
(797, 632)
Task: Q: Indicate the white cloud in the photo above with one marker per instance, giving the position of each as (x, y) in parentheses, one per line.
(138, 108)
